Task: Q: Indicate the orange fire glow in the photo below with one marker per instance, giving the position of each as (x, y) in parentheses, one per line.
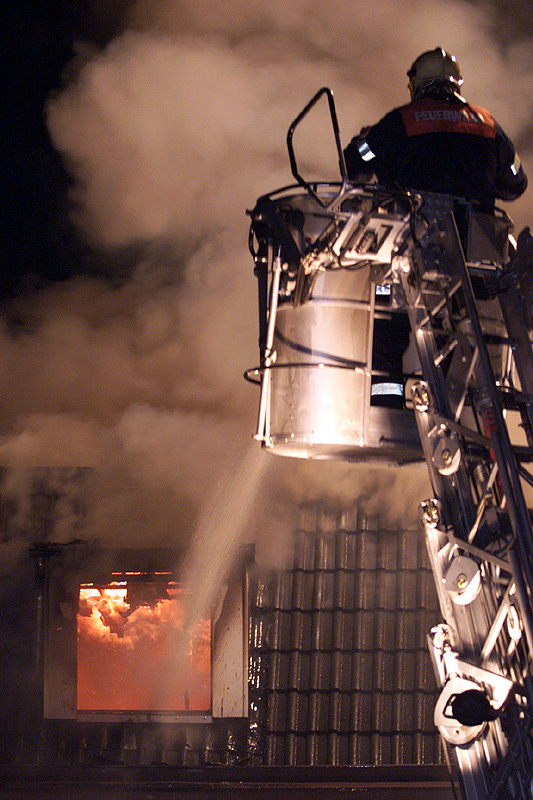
(125, 636)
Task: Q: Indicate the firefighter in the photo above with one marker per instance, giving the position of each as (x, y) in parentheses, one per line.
(438, 142)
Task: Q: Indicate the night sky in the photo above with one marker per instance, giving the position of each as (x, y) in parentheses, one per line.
(40, 243)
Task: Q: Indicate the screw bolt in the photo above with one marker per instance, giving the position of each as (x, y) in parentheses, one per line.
(447, 457)
(462, 581)
(431, 512)
(420, 397)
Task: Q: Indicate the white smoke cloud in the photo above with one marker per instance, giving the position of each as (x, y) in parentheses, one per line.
(171, 133)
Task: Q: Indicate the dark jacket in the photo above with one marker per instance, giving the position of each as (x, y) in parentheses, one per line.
(446, 146)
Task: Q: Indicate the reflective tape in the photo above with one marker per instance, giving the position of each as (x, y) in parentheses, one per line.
(387, 388)
(515, 167)
(365, 152)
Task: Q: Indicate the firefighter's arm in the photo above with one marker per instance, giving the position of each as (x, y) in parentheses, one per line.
(512, 180)
(359, 158)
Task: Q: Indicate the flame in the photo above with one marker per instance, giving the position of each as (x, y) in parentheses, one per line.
(121, 646)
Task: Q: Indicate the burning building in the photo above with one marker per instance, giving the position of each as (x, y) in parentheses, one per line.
(321, 665)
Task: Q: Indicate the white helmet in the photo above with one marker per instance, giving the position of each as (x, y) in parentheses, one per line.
(434, 68)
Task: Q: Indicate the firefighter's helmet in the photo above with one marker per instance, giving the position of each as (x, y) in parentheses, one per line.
(434, 68)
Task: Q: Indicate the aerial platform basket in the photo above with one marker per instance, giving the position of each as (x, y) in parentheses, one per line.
(322, 262)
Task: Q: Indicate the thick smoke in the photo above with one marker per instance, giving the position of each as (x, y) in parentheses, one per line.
(170, 133)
